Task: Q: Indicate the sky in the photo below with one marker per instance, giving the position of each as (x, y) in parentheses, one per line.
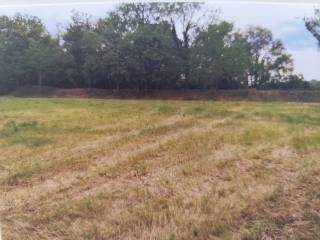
(284, 19)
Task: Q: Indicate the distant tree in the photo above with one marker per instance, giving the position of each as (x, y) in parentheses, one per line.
(297, 82)
(76, 43)
(182, 15)
(269, 58)
(236, 64)
(313, 25)
(152, 58)
(24, 49)
(42, 59)
(112, 59)
(280, 63)
(132, 15)
(145, 46)
(218, 60)
(315, 84)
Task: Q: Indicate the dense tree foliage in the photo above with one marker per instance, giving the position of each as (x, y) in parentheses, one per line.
(145, 46)
(28, 53)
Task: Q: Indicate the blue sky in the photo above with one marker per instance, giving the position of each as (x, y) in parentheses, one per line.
(285, 20)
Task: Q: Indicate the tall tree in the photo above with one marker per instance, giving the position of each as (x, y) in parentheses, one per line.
(152, 58)
(18, 35)
(112, 58)
(42, 59)
(144, 46)
(269, 58)
(313, 25)
(218, 60)
(75, 42)
(182, 16)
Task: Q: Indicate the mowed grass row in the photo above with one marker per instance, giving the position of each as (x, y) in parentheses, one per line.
(125, 169)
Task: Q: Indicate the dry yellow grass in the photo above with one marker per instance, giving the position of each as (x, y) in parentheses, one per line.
(118, 169)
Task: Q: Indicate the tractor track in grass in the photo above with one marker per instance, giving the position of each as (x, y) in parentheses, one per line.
(75, 182)
(181, 171)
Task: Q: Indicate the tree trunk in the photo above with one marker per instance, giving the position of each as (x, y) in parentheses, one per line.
(186, 54)
(117, 84)
(17, 84)
(118, 87)
(40, 80)
(89, 83)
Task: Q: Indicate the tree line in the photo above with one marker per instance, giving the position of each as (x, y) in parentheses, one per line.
(146, 46)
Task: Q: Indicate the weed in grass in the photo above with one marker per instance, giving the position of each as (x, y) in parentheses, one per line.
(265, 115)
(31, 141)
(12, 127)
(22, 171)
(259, 135)
(165, 109)
(255, 231)
(198, 110)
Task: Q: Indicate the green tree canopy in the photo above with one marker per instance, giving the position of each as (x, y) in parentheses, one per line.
(145, 46)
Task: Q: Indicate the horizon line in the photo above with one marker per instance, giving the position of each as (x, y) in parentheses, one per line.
(97, 2)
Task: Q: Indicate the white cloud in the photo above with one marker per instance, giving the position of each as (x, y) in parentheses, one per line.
(307, 62)
(53, 4)
(59, 14)
(286, 30)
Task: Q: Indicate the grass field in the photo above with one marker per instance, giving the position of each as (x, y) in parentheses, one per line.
(120, 169)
